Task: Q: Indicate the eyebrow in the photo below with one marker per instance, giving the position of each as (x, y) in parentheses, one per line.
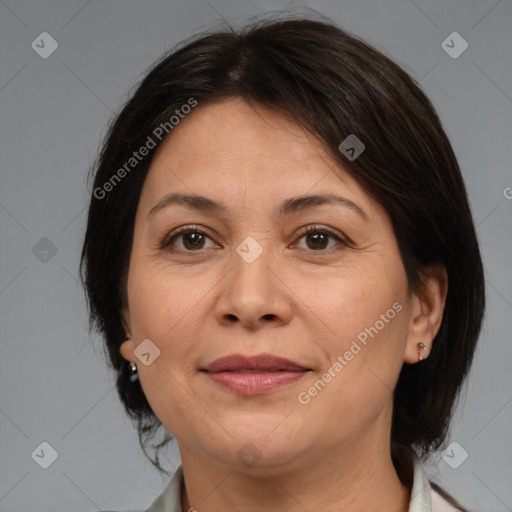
(287, 207)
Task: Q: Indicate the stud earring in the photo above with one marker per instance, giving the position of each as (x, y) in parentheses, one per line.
(421, 346)
(133, 371)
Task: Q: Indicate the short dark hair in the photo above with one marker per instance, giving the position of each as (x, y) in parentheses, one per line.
(332, 84)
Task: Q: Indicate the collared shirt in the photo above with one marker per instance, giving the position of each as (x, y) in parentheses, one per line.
(423, 497)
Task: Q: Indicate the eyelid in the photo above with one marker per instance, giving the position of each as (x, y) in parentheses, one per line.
(166, 240)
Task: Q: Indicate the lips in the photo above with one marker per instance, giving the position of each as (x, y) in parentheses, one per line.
(253, 364)
(253, 375)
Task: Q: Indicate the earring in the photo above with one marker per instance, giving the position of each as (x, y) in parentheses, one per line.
(421, 347)
(133, 371)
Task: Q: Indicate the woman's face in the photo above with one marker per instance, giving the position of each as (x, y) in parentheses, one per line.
(247, 280)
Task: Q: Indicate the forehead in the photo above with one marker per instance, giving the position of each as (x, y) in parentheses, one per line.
(231, 149)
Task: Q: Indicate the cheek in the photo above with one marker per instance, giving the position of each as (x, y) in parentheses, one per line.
(367, 318)
(355, 388)
(359, 305)
(162, 310)
(162, 302)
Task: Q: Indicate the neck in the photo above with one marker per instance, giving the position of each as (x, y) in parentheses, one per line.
(348, 478)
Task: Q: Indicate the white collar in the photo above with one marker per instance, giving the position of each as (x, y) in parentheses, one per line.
(423, 497)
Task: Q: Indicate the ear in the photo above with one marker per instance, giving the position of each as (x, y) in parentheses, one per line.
(427, 306)
(126, 349)
(128, 346)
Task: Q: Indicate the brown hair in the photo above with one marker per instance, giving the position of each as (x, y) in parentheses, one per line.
(333, 85)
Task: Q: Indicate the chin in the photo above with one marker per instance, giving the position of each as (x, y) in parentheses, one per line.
(259, 450)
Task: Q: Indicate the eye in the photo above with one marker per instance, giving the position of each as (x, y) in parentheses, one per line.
(193, 239)
(319, 238)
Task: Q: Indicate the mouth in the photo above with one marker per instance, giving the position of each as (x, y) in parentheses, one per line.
(254, 375)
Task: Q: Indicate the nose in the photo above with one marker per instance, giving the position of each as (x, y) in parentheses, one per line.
(253, 293)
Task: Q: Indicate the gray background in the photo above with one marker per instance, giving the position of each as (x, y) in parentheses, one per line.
(54, 386)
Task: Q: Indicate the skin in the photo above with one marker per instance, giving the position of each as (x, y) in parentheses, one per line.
(295, 301)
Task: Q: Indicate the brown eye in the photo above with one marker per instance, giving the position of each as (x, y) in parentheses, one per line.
(191, 240)
(317, 239)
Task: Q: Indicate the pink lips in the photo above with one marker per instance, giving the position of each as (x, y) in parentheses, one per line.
(254, 375)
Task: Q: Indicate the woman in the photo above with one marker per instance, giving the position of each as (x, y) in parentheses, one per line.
(282, 261)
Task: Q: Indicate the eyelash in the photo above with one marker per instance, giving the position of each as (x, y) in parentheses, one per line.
(166, 243)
